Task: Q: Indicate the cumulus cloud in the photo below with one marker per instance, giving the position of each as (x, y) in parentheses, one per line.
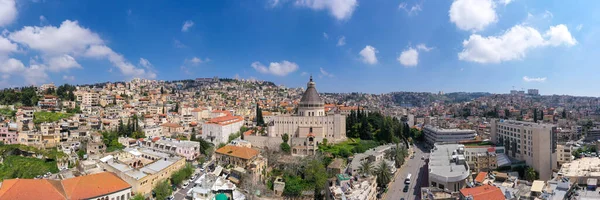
(341, 41)
(368, 55)
(61, 63)
(413, 10)
(409, 57)
(6, 47)
(196, 60)
(187, 25)
(324, 73)
(60, 46)
(12, 66)
(513, 44)
(68, 78)
(282, 68)
(532, 79)
(8, 12)
(325, 35)
(473, 15)
(145, 63)
(340, 9)
(423, 47)
(35, 75)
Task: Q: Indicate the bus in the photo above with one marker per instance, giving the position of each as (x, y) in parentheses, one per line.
(407, 180)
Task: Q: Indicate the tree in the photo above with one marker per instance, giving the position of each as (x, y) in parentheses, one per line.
(285, 147)
(138, 196)
(259, 117)
(316, 174)
(285, 137)
(535, 118)
(506, 113)
(193, 134)
(530, 174)
(365, 168)
(163, 190)
(564, 113)
(384, 174)
(162, 90)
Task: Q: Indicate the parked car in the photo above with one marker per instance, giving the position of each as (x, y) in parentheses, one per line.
(405, 188)
(186, 184)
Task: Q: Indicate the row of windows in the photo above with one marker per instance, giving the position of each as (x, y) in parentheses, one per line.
(302, 122)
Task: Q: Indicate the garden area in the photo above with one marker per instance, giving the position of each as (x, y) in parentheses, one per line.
(348, 148)
(19, 161)
(42, 117)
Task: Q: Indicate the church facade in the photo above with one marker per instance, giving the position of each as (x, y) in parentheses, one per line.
(310, 126)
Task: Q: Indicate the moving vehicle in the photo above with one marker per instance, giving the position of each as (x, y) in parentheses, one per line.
(407, 180)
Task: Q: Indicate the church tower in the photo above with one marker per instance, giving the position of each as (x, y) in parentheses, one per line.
(311, 103)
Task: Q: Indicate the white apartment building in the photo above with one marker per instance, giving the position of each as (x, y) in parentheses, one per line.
(448, 168)
(563, 154)
(218, 129)
(88, 98)
(152, 131)
(534, 143)
(190, 150)
(434, 135)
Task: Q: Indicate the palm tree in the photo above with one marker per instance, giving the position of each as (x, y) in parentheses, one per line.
(365, 168)
(384, 174)
(530, 174)
(399, 155)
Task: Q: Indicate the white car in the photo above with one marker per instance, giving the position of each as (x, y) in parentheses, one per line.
(186, 184)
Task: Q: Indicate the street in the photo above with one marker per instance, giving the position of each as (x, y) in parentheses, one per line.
(182, 192)
(415, 166)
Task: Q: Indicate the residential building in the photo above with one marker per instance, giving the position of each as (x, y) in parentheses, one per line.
(484, 192)
(435, 134)
(142, 168)
(99, 186)
(217, 130)
(485, 158)
(533, 92)
(564, 154)
(8, 136)
(581, 170)
(534, 143)
(190, 150)
(592, 135)
(354, 188)
(235, 155)
(447, 166)
(152, 131)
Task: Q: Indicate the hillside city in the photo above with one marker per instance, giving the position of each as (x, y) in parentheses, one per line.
(221, 138)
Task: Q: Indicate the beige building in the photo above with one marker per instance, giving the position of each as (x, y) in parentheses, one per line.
(142, 168)
(563, 154)
(485, 158)
(310, 125)
(534, 143)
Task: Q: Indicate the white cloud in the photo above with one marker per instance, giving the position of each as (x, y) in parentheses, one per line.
(532, 79)
(423, 47)
(43, 19)
(578, 28)
(178, 44)
(303, 74)
(548, 15)
(558, 35)
(340, 9)
(473, 15)
(187, 25)
(512, 44)
(325, 73)
(505, 2)
(412, 10)
(35, 75)
(325, 35)
(273, 3)
(409, 57)
(6, 47)
(275, 68)
(68, 78)
(126, 68)
(368, 55)
(341, 41)
(60, 63)
(68, 38)
(63, 44)
(197, 61)
(12, 66)
(8, 12)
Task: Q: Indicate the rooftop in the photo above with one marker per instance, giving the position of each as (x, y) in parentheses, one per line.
(447, 162)
(484, 192)
(583, 167)
(237, 151)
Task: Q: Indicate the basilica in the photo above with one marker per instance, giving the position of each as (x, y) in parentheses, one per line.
(310, 126)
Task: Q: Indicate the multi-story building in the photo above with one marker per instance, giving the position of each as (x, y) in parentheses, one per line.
(485, 158)
(435, 134)
(100, 186)
(190, 150)
(563, 154)
(534, 143)
(447, 166)
(152, 131)
(7, 136)
(171, 128)
(142, 168)
(533, 92)
(374, 156)
(89, 99)
(235, 155)
(217, 130)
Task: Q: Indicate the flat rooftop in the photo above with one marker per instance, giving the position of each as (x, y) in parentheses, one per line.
(441, 164)
(583, 167)
(452, 130)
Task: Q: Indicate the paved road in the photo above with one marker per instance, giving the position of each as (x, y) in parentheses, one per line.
(182, 192)
(418, 169)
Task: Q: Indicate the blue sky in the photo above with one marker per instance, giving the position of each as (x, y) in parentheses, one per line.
(413, 45)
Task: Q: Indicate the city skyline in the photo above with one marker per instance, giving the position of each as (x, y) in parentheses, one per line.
(347, 45)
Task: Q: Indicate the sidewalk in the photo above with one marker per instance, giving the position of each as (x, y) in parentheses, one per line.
(410, 153)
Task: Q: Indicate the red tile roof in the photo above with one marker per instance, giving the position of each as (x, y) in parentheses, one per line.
(485, 192)
(236, 151)
(171, 125)
(225, 120)
(82, 187)
(480, 177)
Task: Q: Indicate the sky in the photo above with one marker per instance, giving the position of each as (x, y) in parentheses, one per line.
(375, 46)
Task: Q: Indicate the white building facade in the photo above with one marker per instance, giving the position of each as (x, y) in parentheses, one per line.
(434, 135)
(217, 130)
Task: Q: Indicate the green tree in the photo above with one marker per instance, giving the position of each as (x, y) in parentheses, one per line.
(259, 117)
(530, 174)
(365, 168)
(535, 113)
(316, 174)
(564, 113)
(138, 196)
(285, 147)
(163, 190)
(80, 154)
(384, 174)
(285, 137)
